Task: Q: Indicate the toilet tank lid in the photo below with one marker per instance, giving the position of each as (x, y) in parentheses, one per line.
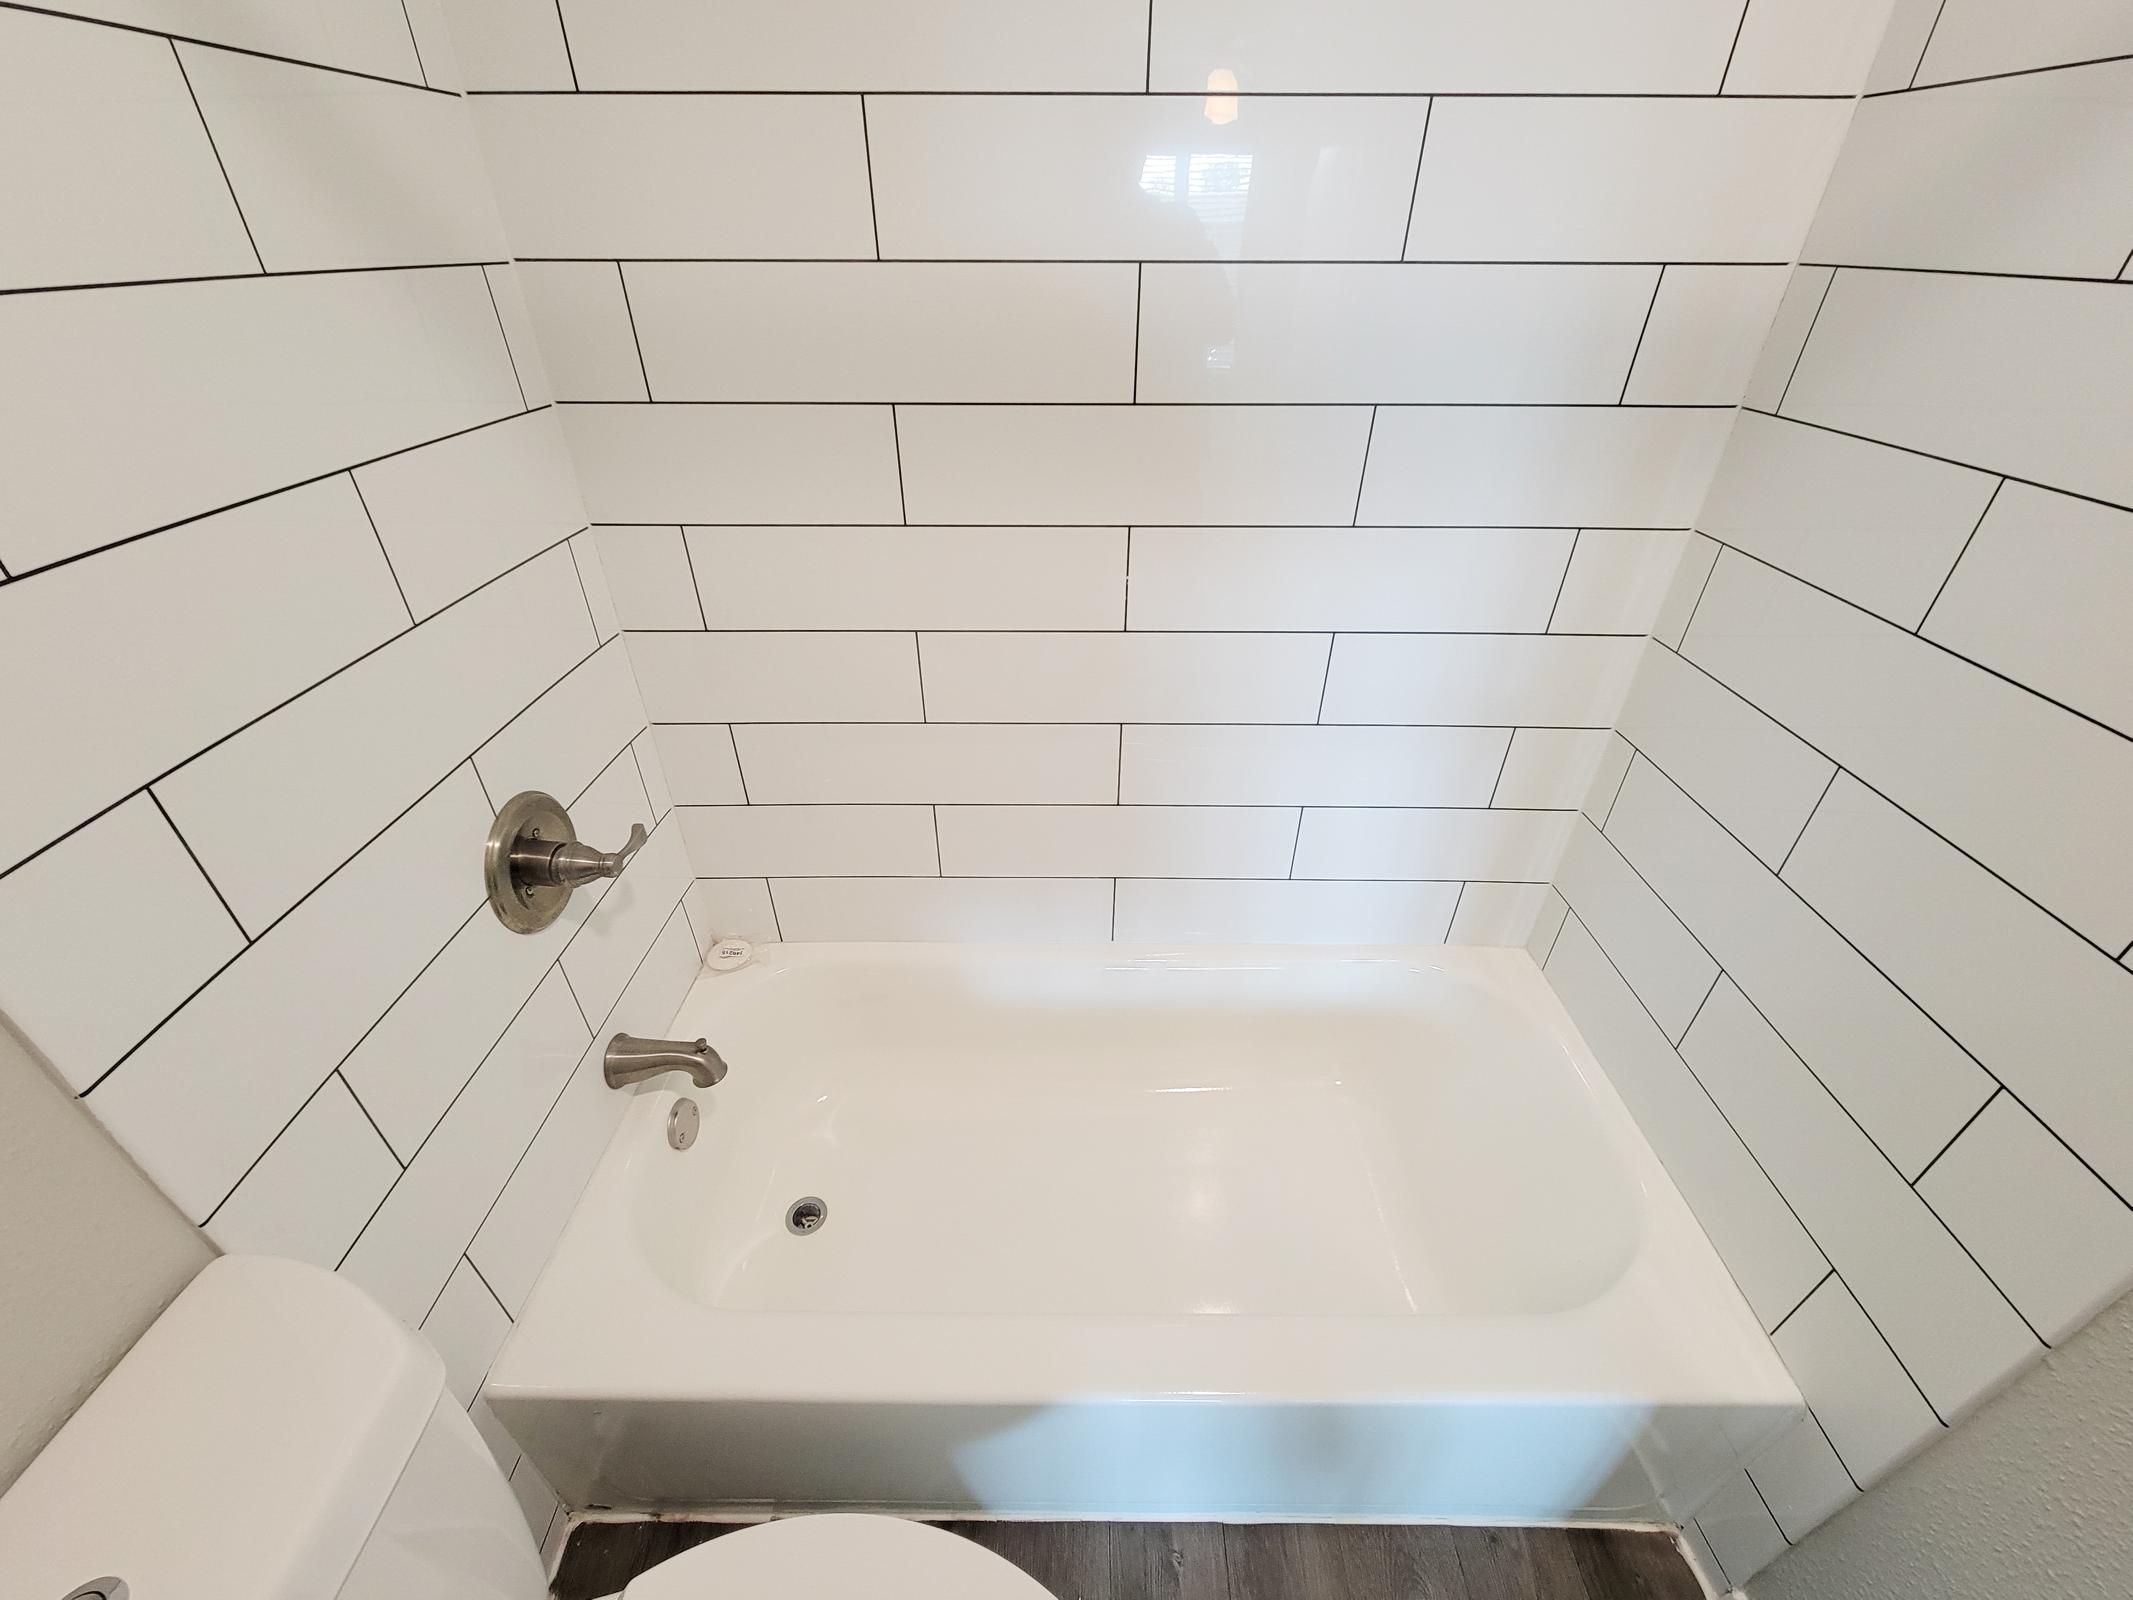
(241, 1450)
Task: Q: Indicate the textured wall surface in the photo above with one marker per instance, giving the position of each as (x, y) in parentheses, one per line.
(1850, 912)
(1051, 495)
(2030, 1497)
(69, 1198)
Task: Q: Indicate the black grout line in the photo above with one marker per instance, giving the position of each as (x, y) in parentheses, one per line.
(696, 588)
(317, 1089)
(487, 797)
(569, 59)
(637, 344)
(584, 593)
(1829, 1272)
(1643, 328)
(1114, 910)
(348, 1089)
(1458, 900)
(1414, 191)
(1992, 77)
(228, 49)
(740, 768)
(1963, 272)
(504, 333)
(1325, 682)
(384, 554)
(2128, 262)
(1800, 354)
(770, 893)
(1702, 590)
(1295, 842)
(1118, 794)
(937, 870)
(1563, 582)
(1159, 527)
(1759, 1495)
(1919, 65)
(156, 800)
(1424, 93)
(1109, 805)
(1129, 261)
(1983, 1106)
(1191, 633)
(1134, 722)
(866, 149)
(240, 277)
(1502, 767)
(1717, 978)
(1139, 267)
(264, 494)
(896, 442)
(1147, 86)
(572, 990)
(1786, 859)
(918, 655)
(215, 151)
(1734, 47)
(1191, 405)
(421, 71)
(1948, 576)
(466, 1255)
(1362, 476)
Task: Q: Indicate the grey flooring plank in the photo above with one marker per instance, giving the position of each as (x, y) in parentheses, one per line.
(1518, 1564)
(1307, 1561)
(1072, 1559)
(1168, 1561)
(1425, 1563)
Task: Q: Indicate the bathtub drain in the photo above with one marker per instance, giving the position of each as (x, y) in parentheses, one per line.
(805, 1216)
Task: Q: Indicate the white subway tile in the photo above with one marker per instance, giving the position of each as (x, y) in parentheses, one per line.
(1126, 177)
(1801, 1479)
(1276, 331)
(2039, 594)
(454, 514)
(310, 1194)
(857, 44)
(537, 1200)
(534, 1497)
(1686, 591)
(777, 677)
(562, 741)
(212, 392)
(2053, 1237)
(647, 568)
(1658, 957)
(731, 908)
(1973, 37)
(1117, 841)
(1707, 327)
(1132, 464)
(1551, 769)
(1905, 1080)
(274, 809)
(812, 763)
(360, 35)
(1058, 910)
(339, 171)
(109, 176)
(1514, 846)
(2046, 1013)
(1547, 926)
(702, 769)
(1218, 911)
(1184, 764)
(1123, 677)
(911, 577)
(220, 619)
(582, 321)
(1955, 1332)
(683, 463)
(1880, 527)
(1389, 579)
(1618, 580)
(1599, 800)
(519, 341)
(810, 841)
(1565, 682)
(1744, 769)
(644, 748)
(1742, 1532)
(1755, 1233)
(1622, 179)
(1973, 768)
(510, 44)
(194, 1111)
(1911, 189)
(1560, 46)
(433, 44)
(466, 1327)
(1805, 47)
(2014, 375)
(104, 935)
(1910, 25)
(1789, 327)
(599, 961)
(1871, 1410)
(407, 1252)
(1503, 914)
(609, 175)
(1561, 466)
(874, 330)
(599, 602)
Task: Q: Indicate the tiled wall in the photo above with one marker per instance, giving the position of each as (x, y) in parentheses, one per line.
(1052, 495)
(1851, 914)
(295, 584)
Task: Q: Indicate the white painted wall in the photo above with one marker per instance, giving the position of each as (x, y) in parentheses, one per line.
(90, 1252)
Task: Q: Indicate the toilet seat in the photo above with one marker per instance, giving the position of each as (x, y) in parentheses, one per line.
(837, 1556)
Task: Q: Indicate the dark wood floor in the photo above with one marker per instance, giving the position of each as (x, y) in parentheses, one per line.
(1218, 1561)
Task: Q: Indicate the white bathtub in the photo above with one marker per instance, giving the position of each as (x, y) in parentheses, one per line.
(1204, 1233)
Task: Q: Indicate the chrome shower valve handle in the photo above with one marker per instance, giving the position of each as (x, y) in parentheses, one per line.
(534, 859)
(570, 864)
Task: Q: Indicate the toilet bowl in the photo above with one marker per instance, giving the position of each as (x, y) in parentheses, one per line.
(276, 1435)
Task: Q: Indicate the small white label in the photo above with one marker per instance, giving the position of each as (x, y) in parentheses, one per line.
(729, 955)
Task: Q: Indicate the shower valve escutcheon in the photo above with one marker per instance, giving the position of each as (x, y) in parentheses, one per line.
(534, 858)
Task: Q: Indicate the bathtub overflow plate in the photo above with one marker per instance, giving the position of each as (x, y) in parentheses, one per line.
(804, 1217)
(682, 1123)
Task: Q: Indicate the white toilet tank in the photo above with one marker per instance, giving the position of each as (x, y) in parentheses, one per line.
(275, 1435)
